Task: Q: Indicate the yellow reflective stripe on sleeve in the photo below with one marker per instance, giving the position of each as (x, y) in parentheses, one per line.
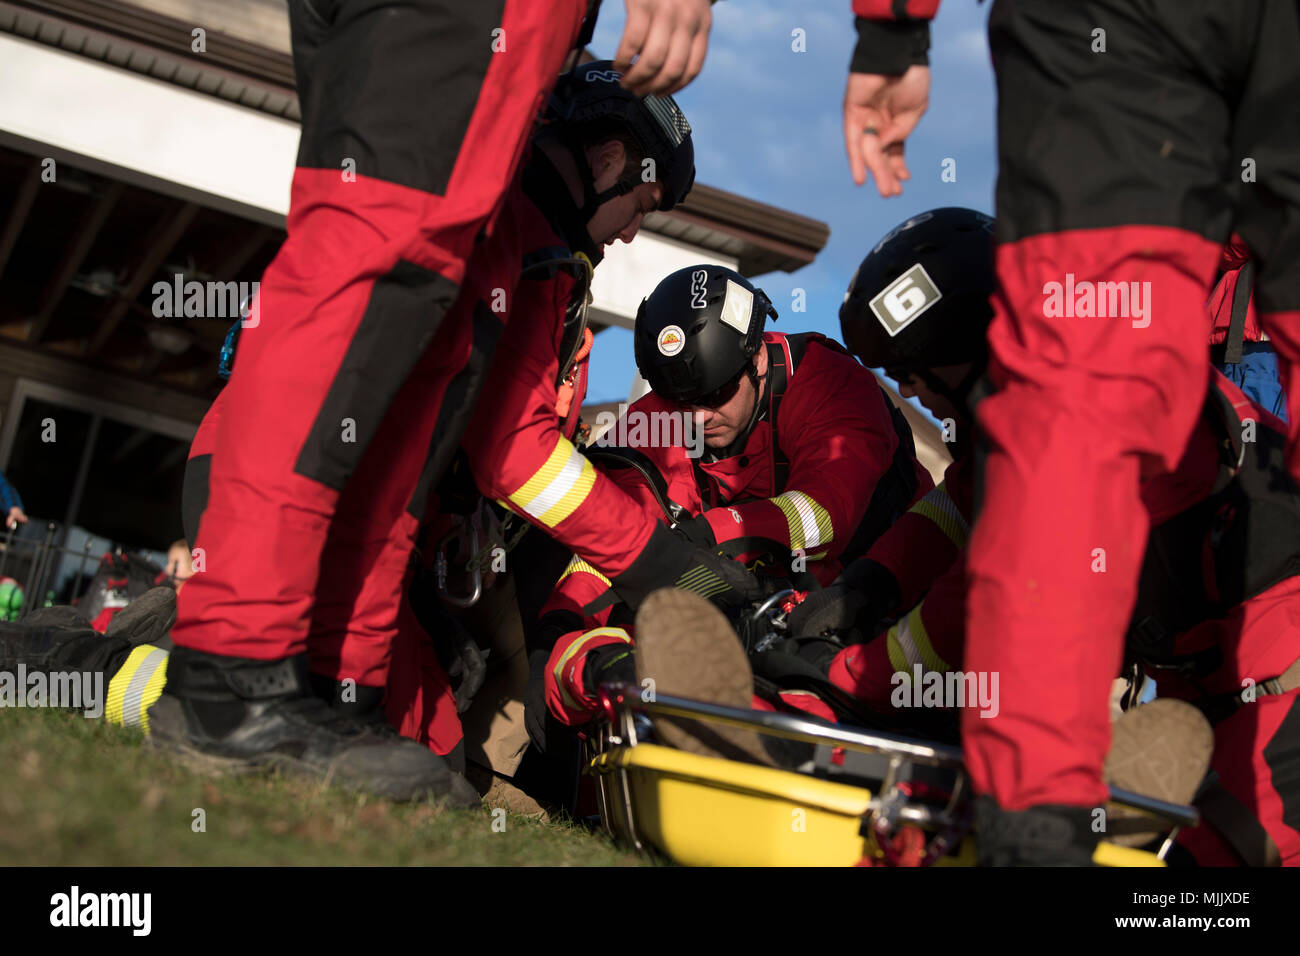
(575, 648)
(909, 645)
(939, 508)
(136, 686)
(579, 566)
(810, 523)
(557, 488)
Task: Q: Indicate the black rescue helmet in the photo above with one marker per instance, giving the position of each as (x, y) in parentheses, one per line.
(698, 331)
(590, 93)
(920, 299)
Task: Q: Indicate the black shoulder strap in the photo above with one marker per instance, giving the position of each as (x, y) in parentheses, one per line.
(614, 456)
(1235, 341)
(778, 377)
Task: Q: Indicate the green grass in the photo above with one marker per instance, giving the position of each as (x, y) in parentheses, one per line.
(83, 792)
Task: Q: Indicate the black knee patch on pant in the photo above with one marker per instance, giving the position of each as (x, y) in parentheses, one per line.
(404, 123)
(405, 311)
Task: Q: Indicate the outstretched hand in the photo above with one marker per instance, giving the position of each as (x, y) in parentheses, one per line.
(880, 112)
(668, 38)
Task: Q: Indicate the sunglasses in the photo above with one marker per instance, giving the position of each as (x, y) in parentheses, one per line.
(720, 395)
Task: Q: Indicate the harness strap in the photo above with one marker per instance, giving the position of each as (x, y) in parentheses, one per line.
(781, 362)
(1241, 829)
(1219, 707)
(1234, 343)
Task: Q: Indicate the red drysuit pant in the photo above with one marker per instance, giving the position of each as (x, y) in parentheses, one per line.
(339, 413)
(419, 702)
(1127, 156)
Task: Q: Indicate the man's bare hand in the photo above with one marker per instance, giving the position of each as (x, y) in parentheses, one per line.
(890, 106)
(668, 38)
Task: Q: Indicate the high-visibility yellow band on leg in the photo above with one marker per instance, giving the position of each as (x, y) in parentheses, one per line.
(136, 686)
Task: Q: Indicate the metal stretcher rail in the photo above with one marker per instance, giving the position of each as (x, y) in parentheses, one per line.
(625, 699)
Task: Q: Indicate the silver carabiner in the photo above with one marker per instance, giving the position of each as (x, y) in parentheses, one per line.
(475, 576)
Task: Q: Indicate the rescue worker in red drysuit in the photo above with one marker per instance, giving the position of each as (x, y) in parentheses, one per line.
(915, 572)
(582, 188)
(374, 329)
(520, 444)
(1132, 142)
(787, 447)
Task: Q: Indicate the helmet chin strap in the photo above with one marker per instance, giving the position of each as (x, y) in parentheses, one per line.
(760, 392)
(592, 200)
(958, 395)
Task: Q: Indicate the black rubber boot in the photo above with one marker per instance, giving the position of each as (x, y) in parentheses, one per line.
(366, 706)
(147, 620)
(1047, 835)
(60, 644)
(236, 715)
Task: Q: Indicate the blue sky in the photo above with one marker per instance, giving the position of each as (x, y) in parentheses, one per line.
(767, 125)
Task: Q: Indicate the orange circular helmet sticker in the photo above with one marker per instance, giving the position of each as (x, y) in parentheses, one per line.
(671, 340)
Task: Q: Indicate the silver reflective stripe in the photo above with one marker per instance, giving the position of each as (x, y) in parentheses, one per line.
(135, 690)
(940, 499)
(903, 634)
(560, 486)
(812, 536)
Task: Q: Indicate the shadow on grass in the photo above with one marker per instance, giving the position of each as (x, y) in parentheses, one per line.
(83, 792)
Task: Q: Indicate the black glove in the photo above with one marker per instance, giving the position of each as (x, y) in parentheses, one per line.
(535, 699)
(697, 531)
(540, 642)
(832, 610)
(607, 664)
(463, 661)
(865, 596)
(668, 561)
(808, 656)
(727, 583)
(146, 620)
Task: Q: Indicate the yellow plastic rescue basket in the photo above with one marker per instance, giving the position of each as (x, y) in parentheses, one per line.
(706, 811)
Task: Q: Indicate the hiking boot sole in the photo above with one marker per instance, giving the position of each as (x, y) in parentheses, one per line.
(687, 648)
(1161, 749)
